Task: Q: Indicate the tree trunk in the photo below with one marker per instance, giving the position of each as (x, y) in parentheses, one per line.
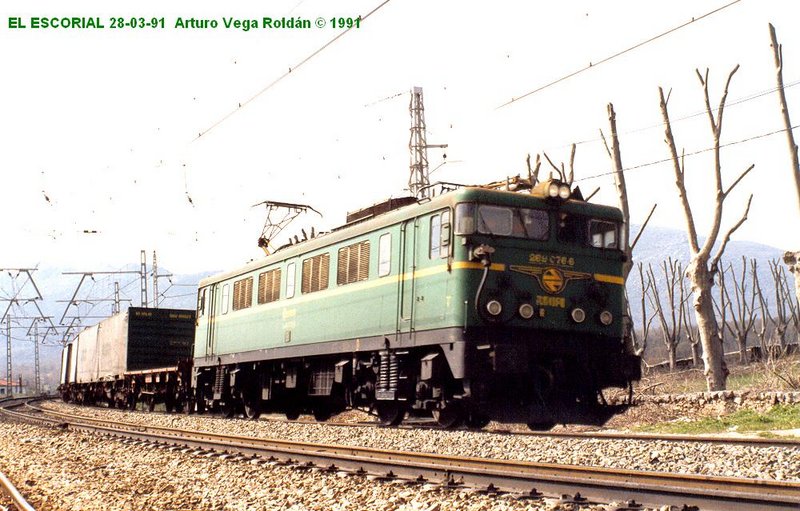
(792, 260)
(715, 371)
(672, 356)
(741, 341)
(696, 354)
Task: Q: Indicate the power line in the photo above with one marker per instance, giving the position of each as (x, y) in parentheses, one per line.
(744, 99)
(603, 61)
(293, 68)
(694, 153)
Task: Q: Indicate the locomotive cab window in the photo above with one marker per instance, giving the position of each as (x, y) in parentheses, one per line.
(532, 224)
(201, 302)
(573, 229)
(603, 234)
(495, 220)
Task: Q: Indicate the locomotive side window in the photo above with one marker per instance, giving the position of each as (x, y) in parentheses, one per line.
(290, 279)
(226, 292)
(440, 235)
(603, 234)
(385, 255)
(353, 263)
(269, 286)
(315, 273)
(436, 236)
(201, 302)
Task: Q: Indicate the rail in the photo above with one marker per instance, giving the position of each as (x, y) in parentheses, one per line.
(600, 484)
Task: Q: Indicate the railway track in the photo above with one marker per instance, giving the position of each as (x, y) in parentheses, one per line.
(532, 480)
(604, 435)
(6, 486)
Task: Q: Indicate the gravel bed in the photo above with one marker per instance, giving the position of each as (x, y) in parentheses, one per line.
(777, 463)
(69, 470)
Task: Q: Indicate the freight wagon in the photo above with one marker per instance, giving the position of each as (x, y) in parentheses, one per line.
(138, 355)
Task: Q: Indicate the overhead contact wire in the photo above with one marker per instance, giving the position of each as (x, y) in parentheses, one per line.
(603, 61)
(291, 69)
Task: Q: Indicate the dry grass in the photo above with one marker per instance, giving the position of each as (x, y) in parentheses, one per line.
(781, 374)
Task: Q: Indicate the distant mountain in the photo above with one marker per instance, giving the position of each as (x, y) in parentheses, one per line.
(657, 244)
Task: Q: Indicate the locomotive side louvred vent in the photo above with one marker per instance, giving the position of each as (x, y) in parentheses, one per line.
(353, 263)
(243, 293)
(269, 286)
(315, 273)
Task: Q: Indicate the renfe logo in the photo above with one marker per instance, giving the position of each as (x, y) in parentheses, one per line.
(552, 280)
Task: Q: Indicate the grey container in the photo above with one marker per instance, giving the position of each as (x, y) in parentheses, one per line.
(136, 340)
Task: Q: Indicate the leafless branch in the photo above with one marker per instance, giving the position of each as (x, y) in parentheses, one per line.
(715, 260)
(644, 225)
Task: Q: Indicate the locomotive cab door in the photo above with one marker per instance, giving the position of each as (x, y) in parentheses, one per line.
(408, 265)
(211, 323)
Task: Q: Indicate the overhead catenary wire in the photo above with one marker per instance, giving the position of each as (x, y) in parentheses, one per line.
(699, 113)
(693, 153)
(619, 53)
(291, 69)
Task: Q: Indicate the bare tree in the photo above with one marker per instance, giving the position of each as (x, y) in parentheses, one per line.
(741, 307)
(671, 316)
(640, 345)
(785, 312)
(777, 52)
(615, 155)
(702, 266)
(790, 258)
(765, 316)
(690, 329)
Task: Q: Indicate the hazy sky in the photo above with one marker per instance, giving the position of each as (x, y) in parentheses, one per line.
(99, 126)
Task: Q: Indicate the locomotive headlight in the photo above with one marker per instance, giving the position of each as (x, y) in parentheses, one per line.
(578, 315)
(494, 307)
(606, 318)
(526, 311)
(552, 190)
(564, 192)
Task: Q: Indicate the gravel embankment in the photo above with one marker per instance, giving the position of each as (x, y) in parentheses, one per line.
(61, 470)
(778, 463)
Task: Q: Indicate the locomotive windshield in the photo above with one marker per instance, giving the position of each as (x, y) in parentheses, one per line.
(586, 231)
(502, 221)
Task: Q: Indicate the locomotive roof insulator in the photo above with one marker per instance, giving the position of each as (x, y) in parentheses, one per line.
(552, 189)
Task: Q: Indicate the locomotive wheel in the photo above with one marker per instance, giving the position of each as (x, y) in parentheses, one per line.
(228, 409)
(292, 413)
(476, 420)
(541, 425)
(450, 416)
(390, 413)
(252, 408)
(322, 413)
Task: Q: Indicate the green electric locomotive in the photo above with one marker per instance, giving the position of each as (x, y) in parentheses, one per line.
(471, 306)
